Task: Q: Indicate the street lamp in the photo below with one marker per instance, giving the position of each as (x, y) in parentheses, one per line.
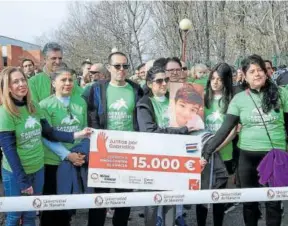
(185, 25)
(114, 50)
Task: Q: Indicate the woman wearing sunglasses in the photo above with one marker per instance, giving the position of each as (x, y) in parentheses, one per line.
(22, 126)
(153, 117)
(67, 113)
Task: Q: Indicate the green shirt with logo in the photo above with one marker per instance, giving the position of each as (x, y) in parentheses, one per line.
(120, 107)
(72, 118)
(253, 136)
(28, 130)
(40, 87)
(161, 111)
(214, 117)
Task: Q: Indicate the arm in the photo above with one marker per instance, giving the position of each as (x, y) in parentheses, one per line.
(230, 122)
(8, 144)
(229, 139)
(57, 148)
(92, 115)
(286, 123)
(147, 124)
(53, 135)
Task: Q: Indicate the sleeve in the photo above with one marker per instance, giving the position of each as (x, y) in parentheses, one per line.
(57, 148)
(85, 113)
(233, 108)
(8, 144)
(6, 122)
(51, 134)
(147, 124)
(230, 122)
(284, 99)
(92, 110)
(33, 90)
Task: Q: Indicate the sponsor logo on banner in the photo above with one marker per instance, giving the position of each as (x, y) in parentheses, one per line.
(277, 194)
(118, 200)
(134, 180)
(270, 194)
(215, 196)
(49, 203)
(99, 201)
(37, 203)
(225, 196)
(174, 199)
(157, 198)
(94, 177)
(149, 181)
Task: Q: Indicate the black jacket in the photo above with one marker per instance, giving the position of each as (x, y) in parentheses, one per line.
(97, 104)
(147, 120)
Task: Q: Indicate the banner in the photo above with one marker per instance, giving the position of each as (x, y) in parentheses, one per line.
(147, 161)
(186, 105)
(136, 199)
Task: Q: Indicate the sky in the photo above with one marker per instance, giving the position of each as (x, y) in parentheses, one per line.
(25, 20)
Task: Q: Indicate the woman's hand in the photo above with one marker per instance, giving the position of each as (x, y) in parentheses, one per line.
(76, 159)
(203, 163)
(85, 133)
(28, 191)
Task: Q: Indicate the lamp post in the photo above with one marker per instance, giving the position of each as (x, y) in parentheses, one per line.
(114, 50)
(185, 25)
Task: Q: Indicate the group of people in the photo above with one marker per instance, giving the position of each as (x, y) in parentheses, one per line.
(47, 118)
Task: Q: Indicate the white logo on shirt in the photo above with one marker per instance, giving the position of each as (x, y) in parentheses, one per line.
(68, 121)
(214, 117)
(118, 104)
(31, 123)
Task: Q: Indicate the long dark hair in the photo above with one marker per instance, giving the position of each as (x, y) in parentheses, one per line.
(271, 95)
(225, 73)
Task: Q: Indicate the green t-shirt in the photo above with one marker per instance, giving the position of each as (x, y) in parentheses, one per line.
(253, 136)
(68, 119)
(28, 137)
(213, 121)
(120, 107)
(40, 87)
(161, 111)
(202, 81)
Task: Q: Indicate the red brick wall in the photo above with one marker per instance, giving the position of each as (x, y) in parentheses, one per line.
(16, 54)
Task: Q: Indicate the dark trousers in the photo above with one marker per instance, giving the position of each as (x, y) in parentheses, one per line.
(218, 212)
(248, 177)
(55, 217)
(96, 217)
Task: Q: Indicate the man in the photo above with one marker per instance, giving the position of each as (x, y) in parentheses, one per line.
(269, 67)
(40, 84)
(97, 72)
(28, 67)
(102, 113)
(142, 74)
(86, 66)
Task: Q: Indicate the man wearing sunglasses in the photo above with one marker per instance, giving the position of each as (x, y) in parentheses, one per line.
(173, 68)
(112, 106)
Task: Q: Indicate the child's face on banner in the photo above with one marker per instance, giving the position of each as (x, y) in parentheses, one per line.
(185, 112)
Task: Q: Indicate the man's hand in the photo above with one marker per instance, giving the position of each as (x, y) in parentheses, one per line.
(76, 159)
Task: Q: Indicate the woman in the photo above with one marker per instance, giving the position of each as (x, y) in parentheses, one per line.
(68, 113)
(261, 102)
(153, 117)
(217, 97)
(21, 128)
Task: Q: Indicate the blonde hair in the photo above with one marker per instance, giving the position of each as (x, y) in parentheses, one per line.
(6, 100)
(196, 68)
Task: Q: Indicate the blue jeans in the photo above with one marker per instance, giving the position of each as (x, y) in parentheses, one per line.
(11, 188)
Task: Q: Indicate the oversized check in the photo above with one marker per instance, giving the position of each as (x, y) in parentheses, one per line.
(144, 161)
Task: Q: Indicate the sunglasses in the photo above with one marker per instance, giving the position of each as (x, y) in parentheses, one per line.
(118, 66)
(159, 81)
(184, 68)
(94, 72)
